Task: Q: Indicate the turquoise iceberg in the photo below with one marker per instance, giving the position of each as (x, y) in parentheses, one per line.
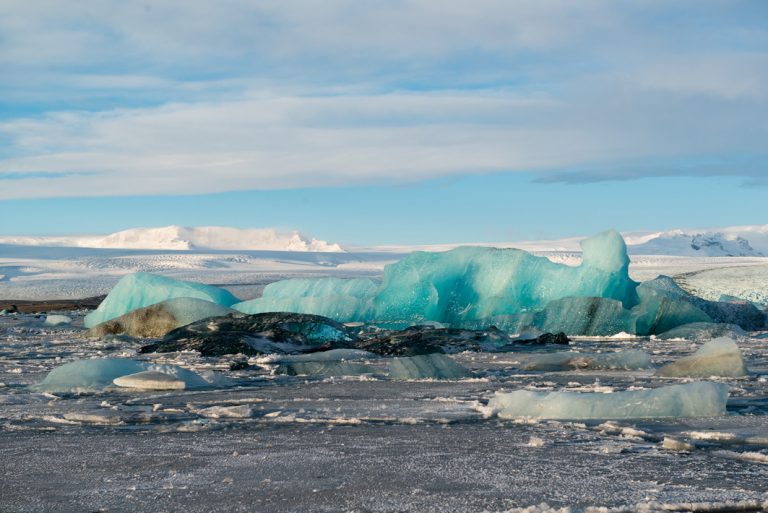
(143, 289)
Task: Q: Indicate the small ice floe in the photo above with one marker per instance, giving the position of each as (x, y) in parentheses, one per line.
(324, 369)
(430, 366)
(750, 456)
(718, 357)
(100, 373)
(57, 320)
(569, 360)
(150, 380)
(673, 444)
(241, 411)
(535, 441)
(701, 399)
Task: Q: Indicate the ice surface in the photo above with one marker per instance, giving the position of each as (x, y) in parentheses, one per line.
(143, 289)
(564, 361)
(336, 298)
(719, 357)
(57, 320)
(88, 375)
(150, 380)
(434, 366)
(156, 320)
(700, 399)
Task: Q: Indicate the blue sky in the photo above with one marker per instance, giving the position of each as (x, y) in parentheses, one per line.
(384, 122)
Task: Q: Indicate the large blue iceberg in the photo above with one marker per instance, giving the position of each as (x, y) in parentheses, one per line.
(472, 288)
(462, 287)
(143, 289)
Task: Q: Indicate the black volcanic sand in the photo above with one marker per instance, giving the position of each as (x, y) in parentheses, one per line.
(50, 305)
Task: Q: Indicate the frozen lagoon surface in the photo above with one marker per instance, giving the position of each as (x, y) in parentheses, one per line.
(262, 441)
(270, 442)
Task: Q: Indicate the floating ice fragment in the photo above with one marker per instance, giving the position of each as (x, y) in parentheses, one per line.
(142, 289)
(564, 361)
(702, 331)
(701, 399)
(89, 375)
(324, 369)
(719, 357)
(150, 380)
(156, 320)
(57, 320)
(430, 366)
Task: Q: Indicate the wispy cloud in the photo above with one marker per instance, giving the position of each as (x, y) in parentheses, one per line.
(192, 97)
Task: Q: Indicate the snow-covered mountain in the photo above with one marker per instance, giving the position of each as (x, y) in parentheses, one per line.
(732, 241)
(183, 238)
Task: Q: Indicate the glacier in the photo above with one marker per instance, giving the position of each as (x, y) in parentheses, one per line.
(99, 373)
(718, 357)
(143, 289)
(700, 399)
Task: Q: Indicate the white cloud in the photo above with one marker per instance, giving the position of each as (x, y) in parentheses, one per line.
(272, 94)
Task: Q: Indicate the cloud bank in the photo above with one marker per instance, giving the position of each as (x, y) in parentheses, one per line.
(116, 98)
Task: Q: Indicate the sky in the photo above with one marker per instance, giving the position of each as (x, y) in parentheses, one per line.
(383, 122)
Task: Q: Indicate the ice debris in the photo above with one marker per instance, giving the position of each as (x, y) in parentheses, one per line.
(696, 331)
(632, 359)
(96, 374)
(431, 366)
(324, 369)
(700, 399)
(719, 357)
(150, 380)
(57, 320)
(143, 289)
(156, 320)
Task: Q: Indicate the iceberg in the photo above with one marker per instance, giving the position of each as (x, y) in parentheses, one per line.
(157, 320)
(631, 359)
(430, 366)
(335, 298)
(719, 357)
(701, 399)
(90, 375)
(467, 286)
(470, 284)
(143, 289)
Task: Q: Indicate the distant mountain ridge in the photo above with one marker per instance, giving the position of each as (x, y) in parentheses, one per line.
(732, 241)
(186, 238)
